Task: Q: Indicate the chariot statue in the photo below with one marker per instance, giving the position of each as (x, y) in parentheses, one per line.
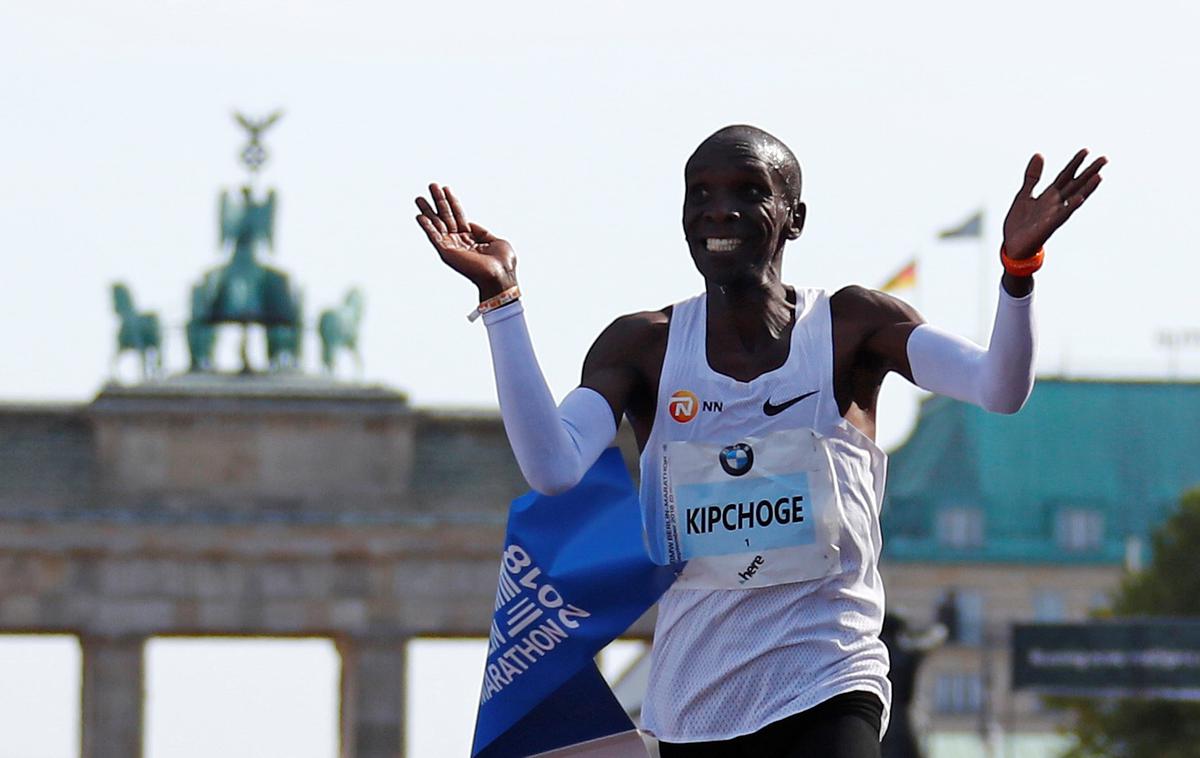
(244, 291)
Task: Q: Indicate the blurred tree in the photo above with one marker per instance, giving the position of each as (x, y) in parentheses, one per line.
(1170, 586)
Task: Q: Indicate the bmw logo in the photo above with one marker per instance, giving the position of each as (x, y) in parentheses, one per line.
(737, 459)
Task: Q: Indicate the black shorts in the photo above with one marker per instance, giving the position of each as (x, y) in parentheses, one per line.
(844, 726)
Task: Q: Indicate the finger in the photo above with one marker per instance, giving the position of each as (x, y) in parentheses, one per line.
(1084, 193)
(481, 234)
(1033, 172)
(460, 217)
(443, 207)
(1082, 180)
(431, 214)
(1068, 173)
(431, 231)
(1090, 187)
(1075, 201)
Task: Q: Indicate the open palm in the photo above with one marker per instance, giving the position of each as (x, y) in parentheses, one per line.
(486, 260)
(1031, 220)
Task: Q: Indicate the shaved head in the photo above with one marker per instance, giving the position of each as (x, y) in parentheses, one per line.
(752, 141)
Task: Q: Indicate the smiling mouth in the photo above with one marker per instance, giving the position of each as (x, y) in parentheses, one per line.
(722, 244)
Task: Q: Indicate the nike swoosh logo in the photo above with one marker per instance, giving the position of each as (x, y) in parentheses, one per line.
(775, 410)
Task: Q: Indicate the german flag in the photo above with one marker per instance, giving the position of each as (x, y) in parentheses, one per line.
(902, 279)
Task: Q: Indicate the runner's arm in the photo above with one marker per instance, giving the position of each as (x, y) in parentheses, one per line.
(553, 445)
(998, 378)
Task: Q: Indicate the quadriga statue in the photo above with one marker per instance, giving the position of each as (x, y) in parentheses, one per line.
(244, 291)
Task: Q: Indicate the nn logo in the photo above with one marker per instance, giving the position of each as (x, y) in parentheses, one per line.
(684, 405)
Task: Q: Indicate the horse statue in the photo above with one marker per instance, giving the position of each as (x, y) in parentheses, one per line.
(244, 291)
(138, 331)
(338, 328)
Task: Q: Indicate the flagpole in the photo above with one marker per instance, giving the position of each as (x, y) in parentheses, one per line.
(973, 227)
(981, 289)
(918, 290)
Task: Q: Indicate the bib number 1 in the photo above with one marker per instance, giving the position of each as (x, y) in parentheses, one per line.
(758, 512)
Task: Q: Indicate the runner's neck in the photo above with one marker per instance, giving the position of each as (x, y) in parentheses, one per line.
(757, 317)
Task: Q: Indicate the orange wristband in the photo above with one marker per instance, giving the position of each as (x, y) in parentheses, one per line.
(1025, 266)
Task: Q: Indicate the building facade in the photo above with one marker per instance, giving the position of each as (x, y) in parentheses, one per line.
(250, 506)
(300, 507)
(991, 520)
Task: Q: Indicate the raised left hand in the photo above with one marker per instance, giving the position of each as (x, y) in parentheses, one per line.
(1031, 220)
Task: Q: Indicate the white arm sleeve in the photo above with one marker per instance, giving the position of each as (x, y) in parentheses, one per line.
(999, 378)
(554, 446)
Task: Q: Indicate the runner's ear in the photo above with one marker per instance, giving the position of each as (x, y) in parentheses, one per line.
(797, 221)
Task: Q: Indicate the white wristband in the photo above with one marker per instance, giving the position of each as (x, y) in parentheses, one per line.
(512, 294)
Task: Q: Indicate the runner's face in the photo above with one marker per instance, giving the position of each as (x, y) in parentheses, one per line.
(735, 214)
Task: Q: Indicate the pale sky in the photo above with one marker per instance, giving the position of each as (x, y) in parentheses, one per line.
(564, 129)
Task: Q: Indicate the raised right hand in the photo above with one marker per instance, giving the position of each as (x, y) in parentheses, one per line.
(482, 257)
(1031, 220)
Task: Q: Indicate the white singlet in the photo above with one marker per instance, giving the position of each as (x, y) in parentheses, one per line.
(793, 480)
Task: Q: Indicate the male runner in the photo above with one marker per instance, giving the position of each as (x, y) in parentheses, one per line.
(753, 405)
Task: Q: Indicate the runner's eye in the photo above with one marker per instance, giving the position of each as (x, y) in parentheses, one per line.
(754, 191)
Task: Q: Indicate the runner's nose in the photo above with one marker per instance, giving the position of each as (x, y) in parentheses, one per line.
(721, 215)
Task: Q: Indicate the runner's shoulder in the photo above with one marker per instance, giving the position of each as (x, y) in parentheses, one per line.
(863, 305)
(633, 337)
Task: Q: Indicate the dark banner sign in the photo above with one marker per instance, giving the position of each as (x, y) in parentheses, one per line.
(1150, 657)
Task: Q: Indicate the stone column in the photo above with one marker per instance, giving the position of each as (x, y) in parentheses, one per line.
(372, 692)
(113, 693)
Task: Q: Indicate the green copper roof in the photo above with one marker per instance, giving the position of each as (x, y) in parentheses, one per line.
(1123, 450)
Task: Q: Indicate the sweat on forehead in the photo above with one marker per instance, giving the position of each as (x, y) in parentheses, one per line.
(750, 140)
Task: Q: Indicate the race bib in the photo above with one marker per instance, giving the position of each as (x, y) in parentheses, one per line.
(757, 512)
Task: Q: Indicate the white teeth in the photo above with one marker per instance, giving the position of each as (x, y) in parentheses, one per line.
(718, 245)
